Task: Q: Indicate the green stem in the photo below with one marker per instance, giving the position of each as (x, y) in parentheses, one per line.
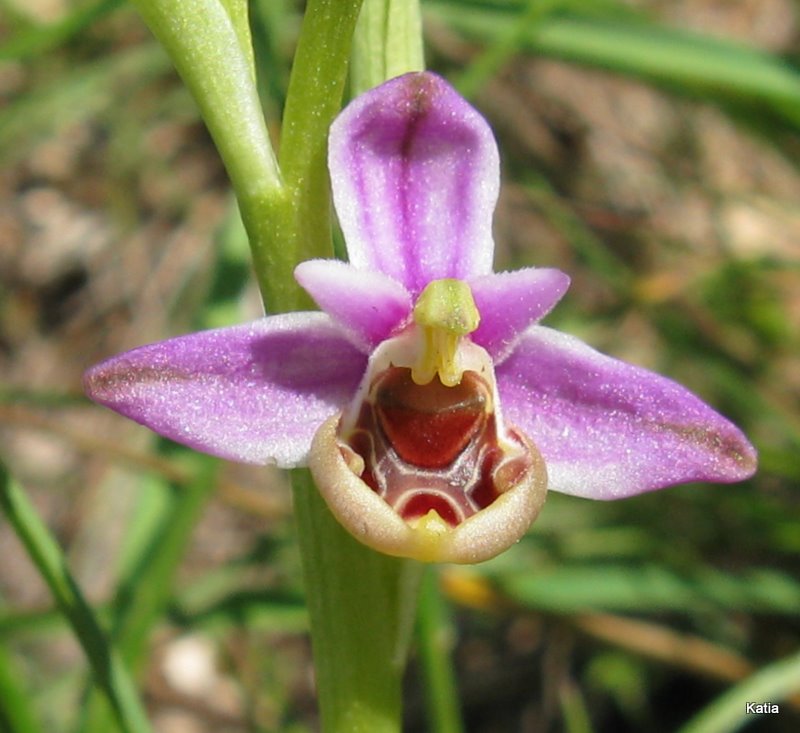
(361, 605)
(302, 225)
(209, 43)
(360, 602)
(388, 42)
(109, 671)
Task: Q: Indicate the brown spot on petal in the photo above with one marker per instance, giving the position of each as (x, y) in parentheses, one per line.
(727, 447)
(105, 383)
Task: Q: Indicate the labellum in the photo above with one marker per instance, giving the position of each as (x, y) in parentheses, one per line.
(432, 448)
(423, 444)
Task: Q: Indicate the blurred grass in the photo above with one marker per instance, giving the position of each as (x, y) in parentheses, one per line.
(607, 617)
(108, 668)
(34, 39)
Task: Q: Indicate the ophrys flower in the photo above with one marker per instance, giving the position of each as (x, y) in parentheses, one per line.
(432, 408)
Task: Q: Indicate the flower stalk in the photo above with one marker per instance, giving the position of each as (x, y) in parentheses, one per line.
(387, 43)
(285, 208)
(209, 43)
(300, 227)
(361, 603)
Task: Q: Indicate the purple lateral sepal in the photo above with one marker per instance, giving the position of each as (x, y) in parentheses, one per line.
(608, 429)
(415, 176)
(254, 393)
(368, 305)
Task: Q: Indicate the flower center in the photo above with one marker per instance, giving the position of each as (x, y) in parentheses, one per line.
(433, 452)
(445, 312)
(424, 433)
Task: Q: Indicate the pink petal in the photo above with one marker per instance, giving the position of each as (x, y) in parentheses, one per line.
(415, 176)
(509, 302)
(369, 305)
(608, 429)
(254, 393)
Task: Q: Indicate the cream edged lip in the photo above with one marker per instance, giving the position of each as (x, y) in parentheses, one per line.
(374, 523)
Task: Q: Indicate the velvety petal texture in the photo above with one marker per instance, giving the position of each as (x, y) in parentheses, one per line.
(509, 302)
(608, 429)
(367, 304)
(254, 393)
(415, 176)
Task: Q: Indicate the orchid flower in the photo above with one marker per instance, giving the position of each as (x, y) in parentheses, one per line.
(432, 408)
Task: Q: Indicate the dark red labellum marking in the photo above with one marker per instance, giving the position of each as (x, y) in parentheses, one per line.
(429, 425)
(432, 447)
(420, 504)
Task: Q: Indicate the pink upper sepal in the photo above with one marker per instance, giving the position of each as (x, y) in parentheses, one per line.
(415, 175)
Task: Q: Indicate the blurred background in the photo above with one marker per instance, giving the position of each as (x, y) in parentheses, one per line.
(649, 149)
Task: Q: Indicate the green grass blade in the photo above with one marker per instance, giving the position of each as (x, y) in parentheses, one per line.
(111, 675)
(624, 587)
(36, 40)
(729, 712)
(144, 594)
(435, 638)
(75, 96)
(687, 62)
(16, 713)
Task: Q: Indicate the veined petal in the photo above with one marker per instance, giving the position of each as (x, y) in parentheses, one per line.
(509, 302)
(254, 393)
(369, 305)
(607, 429)
(415, 176)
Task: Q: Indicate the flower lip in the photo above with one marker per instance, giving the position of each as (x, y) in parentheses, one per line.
(435, 457)
(421, 503)
(372, 521)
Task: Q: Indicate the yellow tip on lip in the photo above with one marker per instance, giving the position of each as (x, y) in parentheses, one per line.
(445, 312)
(429, 532)
(372, 521)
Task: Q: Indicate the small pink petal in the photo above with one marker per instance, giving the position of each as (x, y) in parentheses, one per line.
(608, 429)
(415, 175)
(368, 305)
(254, 393)
(509, 302)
